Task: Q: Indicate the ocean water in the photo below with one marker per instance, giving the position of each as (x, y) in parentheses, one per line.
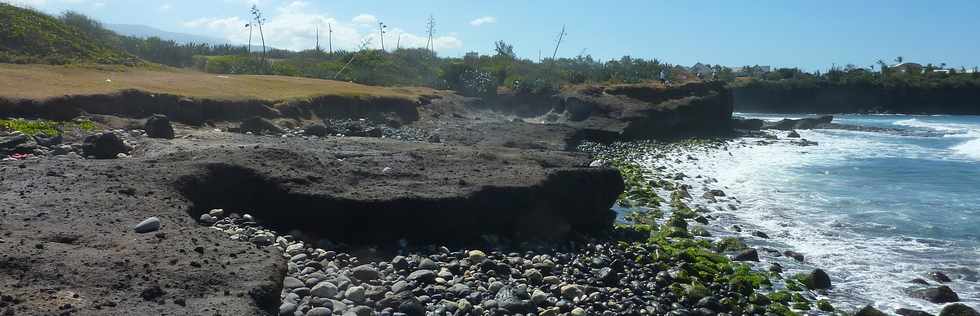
(874, 209)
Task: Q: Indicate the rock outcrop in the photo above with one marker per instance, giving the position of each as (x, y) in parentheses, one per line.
(645, 111)
(803, 123)
(355, 190)
(158, 126)
(104, 146)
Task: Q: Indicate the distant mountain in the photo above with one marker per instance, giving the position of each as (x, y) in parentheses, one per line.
(147, 31)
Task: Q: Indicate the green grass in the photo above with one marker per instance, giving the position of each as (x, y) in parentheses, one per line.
(31, 37)
(45, 127)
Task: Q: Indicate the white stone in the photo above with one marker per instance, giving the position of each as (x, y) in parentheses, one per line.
(477, 256)
(148, 225)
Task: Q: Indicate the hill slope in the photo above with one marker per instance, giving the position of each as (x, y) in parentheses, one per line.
(28, 36)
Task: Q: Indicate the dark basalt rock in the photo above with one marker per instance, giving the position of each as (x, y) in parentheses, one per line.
(938, 295)
(158, 126)
(513, 301)
(911, 312)
(919, 281)
(48, 141)
(958, 310)
(795, 255)
(818, 279)
(804, 123)
(869, 311)
(104, 146)
(939, 277)
(747, 255)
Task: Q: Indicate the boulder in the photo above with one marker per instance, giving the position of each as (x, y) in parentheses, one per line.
(938, 295)
(513, 300)
(911, 312)
(324, 289)
(424, 276)
(795, 255)
(958, 310)
(747, 255)
(793, 134)
(148, 225)
(104, 146)
(939, 277)
(257, 125)
(17, 144)
(869, 311)
(816, 280)
(366, 272)
(48, 141)
(158, 126)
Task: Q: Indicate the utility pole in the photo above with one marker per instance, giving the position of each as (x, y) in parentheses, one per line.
(381, 30)
(431, 27)
(561, 36)
(330, 29)
(249, 26)
(398, 44)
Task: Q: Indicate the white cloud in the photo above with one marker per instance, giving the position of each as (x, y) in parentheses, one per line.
(483, 20)
(365, 19)
(165, 7)
(27, 3)
(292, 27)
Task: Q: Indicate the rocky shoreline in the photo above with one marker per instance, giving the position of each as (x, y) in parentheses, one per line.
(456, 208)
(791, 271)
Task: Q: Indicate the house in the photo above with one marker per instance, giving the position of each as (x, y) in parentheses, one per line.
(907, 67)
(750, 71)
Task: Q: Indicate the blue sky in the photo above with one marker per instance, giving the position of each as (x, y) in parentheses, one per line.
(807, 34)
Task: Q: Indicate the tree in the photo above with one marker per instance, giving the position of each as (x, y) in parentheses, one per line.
(257, 16)
(505, 50)
(899, 59)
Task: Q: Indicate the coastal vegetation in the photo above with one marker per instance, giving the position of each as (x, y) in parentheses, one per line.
(853, 89)
(73, 38)
(45, 127)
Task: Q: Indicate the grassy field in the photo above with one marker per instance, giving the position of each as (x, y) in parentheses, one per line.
(46, 81)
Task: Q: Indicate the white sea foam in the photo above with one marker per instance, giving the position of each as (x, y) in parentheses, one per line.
(969, 148)
(769, 181)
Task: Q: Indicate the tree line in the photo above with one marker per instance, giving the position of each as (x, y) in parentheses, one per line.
(481, 74)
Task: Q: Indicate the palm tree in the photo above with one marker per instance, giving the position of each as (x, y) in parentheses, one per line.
(259, 20)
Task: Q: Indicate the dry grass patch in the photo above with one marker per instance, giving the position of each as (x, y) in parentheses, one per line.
(44, 81)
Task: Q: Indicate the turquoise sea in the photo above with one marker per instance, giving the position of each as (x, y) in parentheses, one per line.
(874, 209)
